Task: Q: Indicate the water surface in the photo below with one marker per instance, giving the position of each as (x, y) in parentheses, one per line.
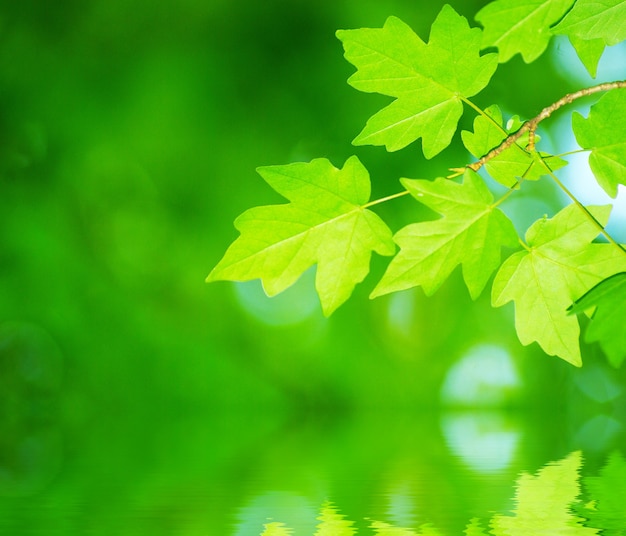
(394, 473)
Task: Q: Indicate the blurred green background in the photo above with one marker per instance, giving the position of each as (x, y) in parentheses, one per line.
(129, 136)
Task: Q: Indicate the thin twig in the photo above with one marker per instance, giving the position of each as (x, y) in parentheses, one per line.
(531, 125)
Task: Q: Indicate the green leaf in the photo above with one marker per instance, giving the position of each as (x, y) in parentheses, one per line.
(559, 265)
(325, 223)
(488, 132)
(604, 133)
(520, 26)
(589, 51)
(427, 80)
(471, 233)
(544, 501)
(512, 163)
(609, 321)
(595, 19)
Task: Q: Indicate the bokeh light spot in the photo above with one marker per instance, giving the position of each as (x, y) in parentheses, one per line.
(486, 442)
(296, 304)
(484, 377)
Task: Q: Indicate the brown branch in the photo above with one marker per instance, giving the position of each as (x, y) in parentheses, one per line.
(530, 126)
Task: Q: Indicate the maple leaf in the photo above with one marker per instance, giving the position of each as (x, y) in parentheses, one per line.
(604, 133)
(520, 26)
(325, 223)
(471, 233)
(595, 19)
(559, 265)
(512, 163)
(428, 80)
(608, 325)
(589, 52)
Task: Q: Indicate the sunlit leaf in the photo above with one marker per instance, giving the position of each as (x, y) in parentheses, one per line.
(428, 80)
(325, 223)
(596, 19)
(609, 320)
(488, 132)
(471, 233)
(520, 26)
(559, 265)
(512, 163)
(589, 51)
(543, 502)
(604, 133)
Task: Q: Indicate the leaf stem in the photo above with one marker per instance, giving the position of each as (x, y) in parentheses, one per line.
(385, 199)
(523, 244)
(531, 125)
(484, 114)
(506, 194)
(582, 207)
(516, 186)
(568, 153)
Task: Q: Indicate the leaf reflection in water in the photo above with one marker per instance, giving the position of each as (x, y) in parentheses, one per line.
(544, 501)
(333, 523)
(547, 502)
(606, 496)
(385, 529)
(276, 529)
(475, 528)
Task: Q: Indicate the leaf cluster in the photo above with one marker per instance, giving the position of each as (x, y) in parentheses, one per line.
(557, 269)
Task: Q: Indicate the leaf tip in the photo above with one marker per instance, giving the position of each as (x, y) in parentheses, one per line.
(358, 140)
(341, 34)
(213, 275)
(474, 291)
(376, 293)
(327, 311)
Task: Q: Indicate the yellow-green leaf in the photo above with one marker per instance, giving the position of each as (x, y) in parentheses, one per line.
(520, 26)
(604, 134)
(596, 19)
(559, 265)
(608, 325)
(470, 233)
(427, 80)
(515, 161)
(325, 224)
(589, 52)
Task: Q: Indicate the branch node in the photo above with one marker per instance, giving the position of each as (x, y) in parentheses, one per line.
(530, 126)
